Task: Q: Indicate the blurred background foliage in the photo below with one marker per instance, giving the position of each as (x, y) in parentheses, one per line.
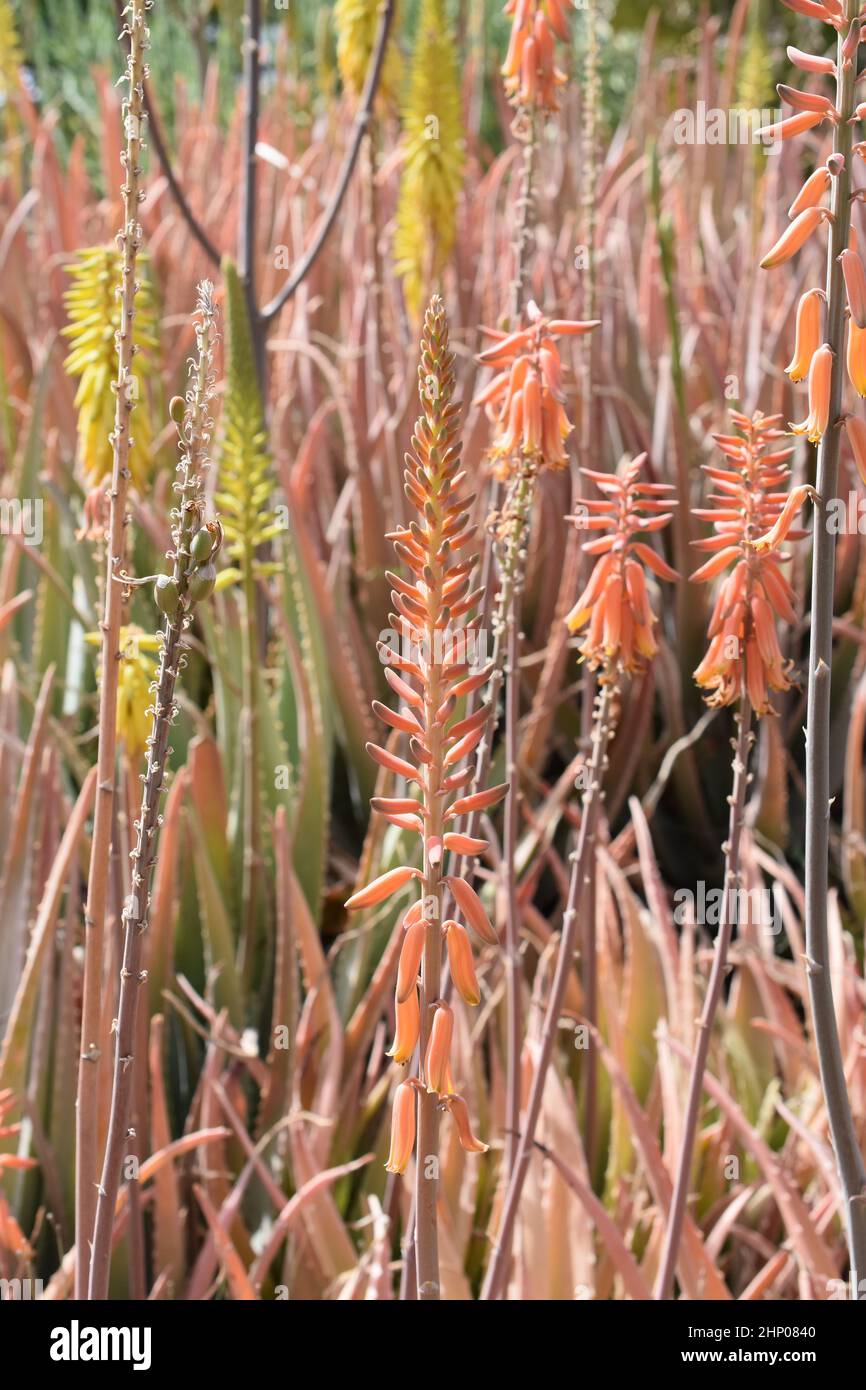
(63, 40)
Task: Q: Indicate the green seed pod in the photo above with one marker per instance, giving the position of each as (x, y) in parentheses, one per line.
(202, 582)
(177, 409)
(202, 546)
(167, 595)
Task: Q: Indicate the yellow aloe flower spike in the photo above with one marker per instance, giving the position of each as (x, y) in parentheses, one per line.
(357, 24)
(94, 318)
(433, 159)
(11, 56)
(136, 675)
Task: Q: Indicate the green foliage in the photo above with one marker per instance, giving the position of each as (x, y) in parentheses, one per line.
(245, 489)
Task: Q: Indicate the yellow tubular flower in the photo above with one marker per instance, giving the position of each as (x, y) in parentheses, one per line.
(357, 24)
(136, 675)
(433, 159)
(94, 318)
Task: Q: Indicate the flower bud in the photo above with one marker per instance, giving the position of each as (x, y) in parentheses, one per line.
(167, 596)
(382, 887)
(202, 545)
(202, 582)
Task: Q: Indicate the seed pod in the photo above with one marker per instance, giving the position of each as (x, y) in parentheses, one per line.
(202, 546)
(202, 583)
(167, 595)
(177, 409)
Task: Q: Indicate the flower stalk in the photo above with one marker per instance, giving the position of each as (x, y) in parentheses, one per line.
(728, 920)
(849, 1159)
(823, 425)
(192, 579)
(431, 675)
(129, 240)
(752, 516)
(614, 610)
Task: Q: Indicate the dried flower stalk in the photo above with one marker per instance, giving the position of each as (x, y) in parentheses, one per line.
(129, 240)
(192, 579)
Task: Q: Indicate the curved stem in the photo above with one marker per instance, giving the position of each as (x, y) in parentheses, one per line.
(362, 121)
(676, 1217)
(849, 1159)
(161, 151)
(582, 867)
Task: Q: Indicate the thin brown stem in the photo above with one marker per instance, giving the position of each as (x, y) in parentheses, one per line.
(583, 860)
(849, 1159)
(195, 437)
(512, 592)
(362, 121)
(737, 799)
(129, 239)
(160, 149)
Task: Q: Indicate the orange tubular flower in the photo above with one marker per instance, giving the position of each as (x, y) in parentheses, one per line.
(437, 1059)
(461, 963)
(795, 237)
(402, 1128)
(408, 1027)
(808, 338)
(436, 666)
(856, 357)
(615, 603)
(752, 514)
(460, 1115)
(812, 192)
(856, 431)
(525, 398)
(820, 372)
(530, 71)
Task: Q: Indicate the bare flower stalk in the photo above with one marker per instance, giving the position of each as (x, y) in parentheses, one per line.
(531, 79)
(589, 421)
(129, 239)
(497, 619)
(849, 1159)
(821, 352)
(741, 777)
(195, 546)
(581, 866)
